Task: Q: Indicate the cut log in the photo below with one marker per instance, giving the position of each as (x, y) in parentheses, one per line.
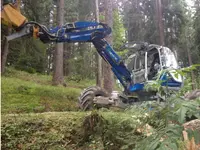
(193, 125)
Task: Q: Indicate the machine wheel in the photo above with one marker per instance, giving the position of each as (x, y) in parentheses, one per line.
(87, 96)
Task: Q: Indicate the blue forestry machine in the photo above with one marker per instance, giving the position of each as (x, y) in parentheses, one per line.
(147, 65)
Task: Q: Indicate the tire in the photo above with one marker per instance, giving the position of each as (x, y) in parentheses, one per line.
(87, 96)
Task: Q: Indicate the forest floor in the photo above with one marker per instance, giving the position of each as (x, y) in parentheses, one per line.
(37, 115)
(24, 93)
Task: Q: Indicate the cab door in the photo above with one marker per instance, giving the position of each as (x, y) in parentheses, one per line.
(153, 65)
(139, 69)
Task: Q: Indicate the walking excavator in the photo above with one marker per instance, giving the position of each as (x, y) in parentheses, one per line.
(146, 64)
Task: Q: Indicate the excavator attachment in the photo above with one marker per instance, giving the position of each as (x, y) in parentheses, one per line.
(23, 32)
(11, 15)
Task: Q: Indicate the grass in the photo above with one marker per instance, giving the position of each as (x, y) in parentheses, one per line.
(24, 93)
(39, 131)
(67, 130)
(47, 79)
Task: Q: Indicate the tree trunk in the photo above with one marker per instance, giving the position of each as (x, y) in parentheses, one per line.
(107, 73)
(99, 59)
(5, 51)
(190, 61)
(50, 52)
(67, 56)
(58, 77)
(83, 46)
(160, 21)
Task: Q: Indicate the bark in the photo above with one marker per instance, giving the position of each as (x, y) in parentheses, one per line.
(58, 77)
(50, 52)
(5, 50)
(107, 72)
(99, 59)
(67, 56)
(159, 12)
(190, 61)
(192, 72)
(83, 46)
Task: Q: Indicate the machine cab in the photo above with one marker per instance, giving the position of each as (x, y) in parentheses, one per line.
(145, 64)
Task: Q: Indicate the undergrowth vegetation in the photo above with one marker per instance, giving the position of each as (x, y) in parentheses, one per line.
(136, 128)
(150, 126)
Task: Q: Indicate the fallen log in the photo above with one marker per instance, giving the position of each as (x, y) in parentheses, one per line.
(193, 125)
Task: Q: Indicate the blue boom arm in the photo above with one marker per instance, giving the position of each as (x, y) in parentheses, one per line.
(88, 32)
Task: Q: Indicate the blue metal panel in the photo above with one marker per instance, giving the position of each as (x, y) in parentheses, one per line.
(79, 33)
(169, 81)
(136, 87)
(113, 55)
(85, 24)
(81, 36)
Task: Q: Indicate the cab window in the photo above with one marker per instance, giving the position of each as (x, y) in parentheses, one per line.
(140, 62)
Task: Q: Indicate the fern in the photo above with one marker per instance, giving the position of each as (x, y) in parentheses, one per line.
(168, 120)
